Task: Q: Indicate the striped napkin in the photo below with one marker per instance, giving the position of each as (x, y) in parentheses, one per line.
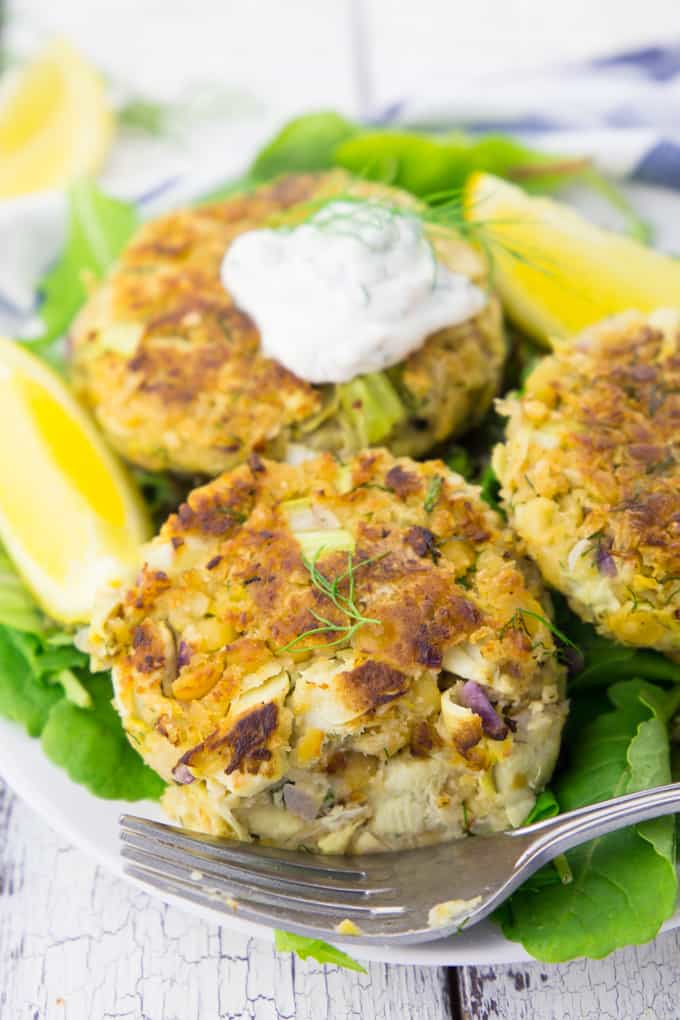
(622, 110)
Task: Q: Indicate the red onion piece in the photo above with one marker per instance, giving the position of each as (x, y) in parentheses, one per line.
(300, 802)
(474, 698)
(183, 654)
(182, 774)
(605, 561)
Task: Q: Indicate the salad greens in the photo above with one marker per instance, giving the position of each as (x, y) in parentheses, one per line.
(306, 143)
(98, 228)
(319, 950)
(47, 687)
(614, 891)
(430, 166)
(90, 744)
(624, 885)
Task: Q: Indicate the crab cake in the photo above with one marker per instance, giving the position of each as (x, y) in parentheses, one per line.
(590, 476)
(173, 372)
(339, 657)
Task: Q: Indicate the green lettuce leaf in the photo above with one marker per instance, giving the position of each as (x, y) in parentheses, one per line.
(46, 687)
(17, 608)
(90, 744)
(624, 885)
(25, 698)
(319, 950)
(98, 228)
(305, 143)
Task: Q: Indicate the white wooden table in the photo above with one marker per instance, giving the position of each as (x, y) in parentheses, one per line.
(77, 944)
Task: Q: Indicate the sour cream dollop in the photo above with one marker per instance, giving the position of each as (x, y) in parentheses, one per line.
(354, 289)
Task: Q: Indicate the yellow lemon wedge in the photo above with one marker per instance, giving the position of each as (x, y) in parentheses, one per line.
(70, 518)
(55, 122)
(554, 271)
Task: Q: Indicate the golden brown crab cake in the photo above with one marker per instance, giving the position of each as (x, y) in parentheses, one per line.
(173, 372)
(342, 657)
(590, 475)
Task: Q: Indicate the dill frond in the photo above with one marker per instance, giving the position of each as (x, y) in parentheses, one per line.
(518, 622)
(346, 604)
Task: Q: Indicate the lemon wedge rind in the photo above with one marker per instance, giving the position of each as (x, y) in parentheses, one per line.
(555, 271)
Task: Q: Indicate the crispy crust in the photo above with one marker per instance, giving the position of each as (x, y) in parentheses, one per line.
(591, 476)
(238, 700)
(173, 372)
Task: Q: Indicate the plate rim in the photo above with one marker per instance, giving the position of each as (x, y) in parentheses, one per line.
(22, 769)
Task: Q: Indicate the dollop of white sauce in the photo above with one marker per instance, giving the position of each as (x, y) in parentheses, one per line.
(354, 289)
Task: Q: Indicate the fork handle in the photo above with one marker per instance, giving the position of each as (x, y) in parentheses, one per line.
(554, 836)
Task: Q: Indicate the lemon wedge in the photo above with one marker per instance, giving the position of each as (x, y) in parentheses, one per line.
(554, 271)
(70, 518)
(55, 122)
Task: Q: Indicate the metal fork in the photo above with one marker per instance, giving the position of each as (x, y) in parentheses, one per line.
(389, 896)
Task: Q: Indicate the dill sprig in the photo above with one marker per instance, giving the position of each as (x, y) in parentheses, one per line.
(448, 211)
(518, 622)
(346, 604)
(451, 211)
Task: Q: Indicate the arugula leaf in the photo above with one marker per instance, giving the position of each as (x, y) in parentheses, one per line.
(305, 143)
(624, 885)
(649, 757)
(605, 661)
(546, 806)
(91, 746)
(429, 165)
(98, 228)
(424, 166)
(433, 165)
(319, 950)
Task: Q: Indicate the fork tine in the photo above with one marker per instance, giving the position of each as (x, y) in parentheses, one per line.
(294, 880)
(247, 855)
(291, 917)
(187, 869)
(249, 869)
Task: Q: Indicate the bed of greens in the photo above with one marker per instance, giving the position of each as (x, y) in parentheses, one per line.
(610, 893)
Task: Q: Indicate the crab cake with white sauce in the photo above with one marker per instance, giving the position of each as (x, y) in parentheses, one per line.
(345, 658)
(590, 475)
(173, 369)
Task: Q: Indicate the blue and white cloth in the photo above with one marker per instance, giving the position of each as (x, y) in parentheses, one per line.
(623, 111)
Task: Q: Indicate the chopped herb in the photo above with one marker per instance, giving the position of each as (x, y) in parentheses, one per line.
(346, 604)
(433, 491)
(517, 622)
(320, 951)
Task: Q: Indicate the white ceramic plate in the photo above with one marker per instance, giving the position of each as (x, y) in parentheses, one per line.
(92, 824)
